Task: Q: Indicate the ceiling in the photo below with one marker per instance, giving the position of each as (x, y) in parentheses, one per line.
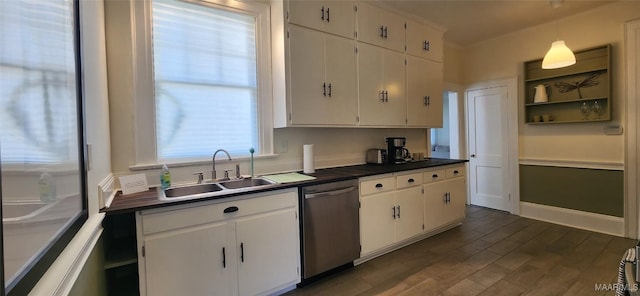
(468, 22)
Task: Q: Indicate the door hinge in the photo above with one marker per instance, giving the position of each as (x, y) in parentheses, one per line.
(289, 116)
(405, 60)
(405, 49)
(296, 216)
(355, 8)
(422, 190)
(509, 196)
(143, 251)
(287, 34)
(287, 16)
(359, 205)
(422, 226)
(405, 25)
(357, 118)
(356, 48)
(406, 120)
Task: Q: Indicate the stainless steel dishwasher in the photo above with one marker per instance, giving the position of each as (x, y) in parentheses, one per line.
(330, 227)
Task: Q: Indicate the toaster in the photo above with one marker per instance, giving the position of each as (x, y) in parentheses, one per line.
(378, 156)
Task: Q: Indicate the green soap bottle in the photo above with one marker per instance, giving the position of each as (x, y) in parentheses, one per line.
(165, 177)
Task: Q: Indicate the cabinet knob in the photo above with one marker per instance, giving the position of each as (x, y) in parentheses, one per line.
(411, 180)
(434, 176)
(455, 172)
(473, 155)
(378, 185)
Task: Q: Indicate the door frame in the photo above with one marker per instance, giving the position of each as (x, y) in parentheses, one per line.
(512, 171)
(632, 147)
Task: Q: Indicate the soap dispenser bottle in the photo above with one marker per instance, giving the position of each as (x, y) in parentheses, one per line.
(165, 177)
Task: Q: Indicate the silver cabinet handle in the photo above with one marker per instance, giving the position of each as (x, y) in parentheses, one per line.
(328, 15)
(426, 45)
(385, 33)
(329, 86)
(382, 95)
(398, 212)
(394, 213)
(382, 31)
(329, 193)
(322, 10)
(324, 89)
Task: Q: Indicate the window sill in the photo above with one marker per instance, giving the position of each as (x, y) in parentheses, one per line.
(142, 167)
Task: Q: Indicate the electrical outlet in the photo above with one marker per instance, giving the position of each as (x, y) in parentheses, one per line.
(283, 146)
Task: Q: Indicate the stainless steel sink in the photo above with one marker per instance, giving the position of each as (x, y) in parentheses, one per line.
(244, 183)
(192, 190)
(211, 189)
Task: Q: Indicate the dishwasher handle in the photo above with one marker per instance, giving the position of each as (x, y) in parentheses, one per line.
(329, 193)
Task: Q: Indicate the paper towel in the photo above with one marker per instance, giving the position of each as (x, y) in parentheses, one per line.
(307, 156)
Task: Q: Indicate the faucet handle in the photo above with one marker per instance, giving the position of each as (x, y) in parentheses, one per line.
(238, 171)
(200, 177)
(226, 174)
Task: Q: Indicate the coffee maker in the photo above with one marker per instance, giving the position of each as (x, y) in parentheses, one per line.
(396, 153)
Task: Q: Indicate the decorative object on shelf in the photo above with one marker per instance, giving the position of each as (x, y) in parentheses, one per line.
(591, 80)
(542, 93)
(547, 118)
(586, 110)
(597, 109)
(559, 55)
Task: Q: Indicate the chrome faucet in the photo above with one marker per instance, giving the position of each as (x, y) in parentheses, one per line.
(213, 172)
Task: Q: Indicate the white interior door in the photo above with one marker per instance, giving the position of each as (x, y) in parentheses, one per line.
(488, 148)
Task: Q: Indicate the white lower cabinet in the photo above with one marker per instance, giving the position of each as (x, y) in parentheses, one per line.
(444, 202)
(396, 209)
(390, 216)
(249, 246)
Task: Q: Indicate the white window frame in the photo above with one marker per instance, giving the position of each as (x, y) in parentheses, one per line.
(143, 84)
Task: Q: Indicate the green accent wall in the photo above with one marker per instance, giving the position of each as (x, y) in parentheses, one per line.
(588, 190)
(91, 280)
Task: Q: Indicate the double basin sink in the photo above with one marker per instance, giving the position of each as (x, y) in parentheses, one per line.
(212, 189)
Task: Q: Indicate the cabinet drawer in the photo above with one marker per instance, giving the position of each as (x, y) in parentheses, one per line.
(176, 217)
(455, 172)
(433, 176)
(410, 180)
(377, 185)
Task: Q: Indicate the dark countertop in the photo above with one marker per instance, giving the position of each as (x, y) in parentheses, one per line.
(149, 199)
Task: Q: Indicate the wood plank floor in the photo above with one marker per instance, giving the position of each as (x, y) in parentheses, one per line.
(491, 253)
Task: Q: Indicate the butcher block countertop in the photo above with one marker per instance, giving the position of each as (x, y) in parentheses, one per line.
(149, 199)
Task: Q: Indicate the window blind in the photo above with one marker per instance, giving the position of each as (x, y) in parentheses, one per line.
(205, 77)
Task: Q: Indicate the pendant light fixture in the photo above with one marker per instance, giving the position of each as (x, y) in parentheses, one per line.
(559, 55)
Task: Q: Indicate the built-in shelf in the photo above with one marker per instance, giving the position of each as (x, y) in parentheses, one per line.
(120, 252)
(572, 91)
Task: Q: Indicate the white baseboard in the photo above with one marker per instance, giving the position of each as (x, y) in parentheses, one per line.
(573, 218)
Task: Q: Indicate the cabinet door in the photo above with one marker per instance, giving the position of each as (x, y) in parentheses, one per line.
(336, 17)
(458, 191)
(410, 212)
(424, 93)
(189, 261)
(380, 27)
(309, 103)
(377, 223)
(341, 77)
(268, 251)
(381, 71)
(435, 211)
(424, 41)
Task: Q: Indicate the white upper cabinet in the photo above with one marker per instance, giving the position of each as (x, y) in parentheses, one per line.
(382, 86)
(424, 93)
(322, 79)
(380, 27)
(335, 17)
(424, 41)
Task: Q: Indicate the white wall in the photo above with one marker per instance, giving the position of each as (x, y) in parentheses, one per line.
(503, 57)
